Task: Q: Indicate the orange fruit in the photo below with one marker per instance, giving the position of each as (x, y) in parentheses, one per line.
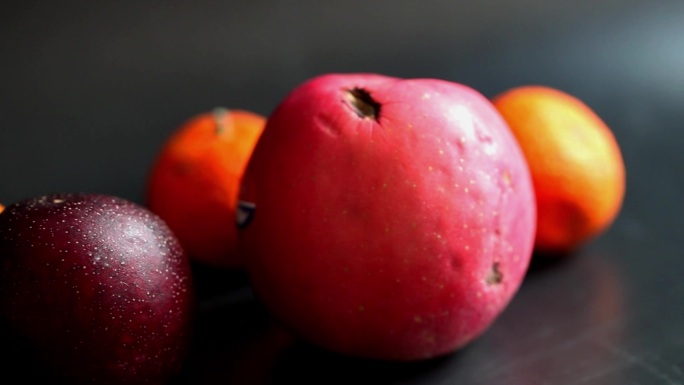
(193, 184)
(1, 207)
(575, 161)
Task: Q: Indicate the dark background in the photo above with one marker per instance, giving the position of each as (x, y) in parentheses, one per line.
(90, 90)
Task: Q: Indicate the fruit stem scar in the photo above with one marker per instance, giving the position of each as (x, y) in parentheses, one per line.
(494, 276)
(220, 114)
(363, 104)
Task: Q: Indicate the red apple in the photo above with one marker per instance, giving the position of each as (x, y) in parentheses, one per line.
(96, 287)
(386, 218)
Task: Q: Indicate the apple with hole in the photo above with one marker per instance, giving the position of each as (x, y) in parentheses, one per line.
(96, 287)
(386, 218)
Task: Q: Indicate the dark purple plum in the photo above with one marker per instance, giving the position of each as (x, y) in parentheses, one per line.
(96, 287)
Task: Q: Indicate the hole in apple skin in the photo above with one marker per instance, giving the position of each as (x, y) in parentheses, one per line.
(495, 276)
(363, 104)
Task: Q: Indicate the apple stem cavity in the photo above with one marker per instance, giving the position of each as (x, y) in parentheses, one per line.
(220, 114)
(363, 104)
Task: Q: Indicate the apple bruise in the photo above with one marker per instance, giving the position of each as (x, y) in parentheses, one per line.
(363, 104)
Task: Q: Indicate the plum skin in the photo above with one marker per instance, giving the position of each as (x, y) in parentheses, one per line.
(398, 228)
(97, 287)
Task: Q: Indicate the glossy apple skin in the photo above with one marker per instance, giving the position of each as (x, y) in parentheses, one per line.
(96, 287)
(400, 236)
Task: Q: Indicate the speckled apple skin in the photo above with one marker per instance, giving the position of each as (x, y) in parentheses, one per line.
(97, 287)
(396, 238)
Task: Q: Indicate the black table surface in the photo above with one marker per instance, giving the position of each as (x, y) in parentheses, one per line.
(89, 91)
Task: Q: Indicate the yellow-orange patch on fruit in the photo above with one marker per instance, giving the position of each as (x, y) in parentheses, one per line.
(194, 182)
(576, 164)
